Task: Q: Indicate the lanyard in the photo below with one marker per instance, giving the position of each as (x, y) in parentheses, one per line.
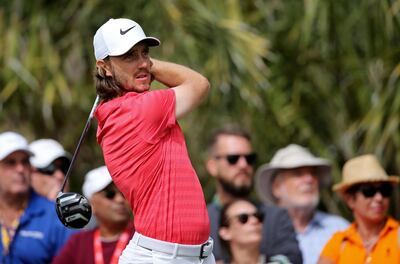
(7, 235)
(98, 250)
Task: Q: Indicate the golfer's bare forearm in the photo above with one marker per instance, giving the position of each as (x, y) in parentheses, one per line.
(190, 86)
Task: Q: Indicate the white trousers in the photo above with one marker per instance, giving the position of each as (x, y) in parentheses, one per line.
(135, 254)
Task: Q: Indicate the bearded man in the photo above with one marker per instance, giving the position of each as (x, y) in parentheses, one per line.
(231, 162)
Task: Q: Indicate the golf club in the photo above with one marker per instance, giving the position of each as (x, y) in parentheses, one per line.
(73, 209)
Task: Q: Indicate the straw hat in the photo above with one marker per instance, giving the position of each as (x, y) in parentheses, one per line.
(363, 169)
(291, 157)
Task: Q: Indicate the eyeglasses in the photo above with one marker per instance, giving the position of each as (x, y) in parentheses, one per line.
(49, 170)
(234, 158)
(244, 217)
(370, 190)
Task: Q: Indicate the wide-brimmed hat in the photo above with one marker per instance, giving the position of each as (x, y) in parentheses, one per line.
(117, 36)
(363, 169)
(291, 157)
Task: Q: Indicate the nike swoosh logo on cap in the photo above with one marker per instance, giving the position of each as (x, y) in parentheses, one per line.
(123, 32)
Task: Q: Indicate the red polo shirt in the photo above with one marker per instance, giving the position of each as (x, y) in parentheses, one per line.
(145, 151)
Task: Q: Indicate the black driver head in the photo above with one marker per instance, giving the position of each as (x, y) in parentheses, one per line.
(73, 209)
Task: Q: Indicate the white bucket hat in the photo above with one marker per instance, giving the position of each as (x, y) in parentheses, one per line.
(117, 36)
(46, 151)
(11, 142)
(291, 157)
(95, 181)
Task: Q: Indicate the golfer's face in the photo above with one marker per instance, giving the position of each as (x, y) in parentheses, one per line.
(132, 70)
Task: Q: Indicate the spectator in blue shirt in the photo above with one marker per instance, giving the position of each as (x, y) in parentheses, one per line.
(292, 180)
(30, 229)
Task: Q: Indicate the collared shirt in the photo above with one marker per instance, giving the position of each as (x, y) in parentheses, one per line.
(145, 151)
(347, 246)
(317, 233)
(39, 235)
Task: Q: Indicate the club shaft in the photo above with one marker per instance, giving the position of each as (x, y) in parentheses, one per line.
(81, 139)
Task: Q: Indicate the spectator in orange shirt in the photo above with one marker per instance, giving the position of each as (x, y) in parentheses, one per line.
(373, 236)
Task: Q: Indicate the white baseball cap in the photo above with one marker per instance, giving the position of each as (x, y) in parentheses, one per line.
(46, 151)
(117, 36)
(290, 157)
(11, 142)
(95, 181)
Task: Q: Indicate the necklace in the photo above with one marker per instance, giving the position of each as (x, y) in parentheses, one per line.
(371, 241)
(368, 244)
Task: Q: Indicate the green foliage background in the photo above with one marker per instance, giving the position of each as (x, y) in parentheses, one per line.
(320, 73)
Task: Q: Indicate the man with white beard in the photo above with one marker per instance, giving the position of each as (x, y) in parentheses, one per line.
(292, 180)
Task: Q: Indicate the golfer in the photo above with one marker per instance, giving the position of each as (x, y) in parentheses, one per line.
(144, 147)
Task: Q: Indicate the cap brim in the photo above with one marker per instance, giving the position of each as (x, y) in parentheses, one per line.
(150, 41)
(6, 154)
(47, 160)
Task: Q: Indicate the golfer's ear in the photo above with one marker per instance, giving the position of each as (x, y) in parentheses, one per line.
(103, 66)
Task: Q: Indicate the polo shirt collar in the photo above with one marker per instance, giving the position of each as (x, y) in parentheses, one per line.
(33, 209)
(352, 234)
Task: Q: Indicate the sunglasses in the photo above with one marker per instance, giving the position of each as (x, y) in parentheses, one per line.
(49, 170)
(369, 191)
(110, 192)
(244, 217)
(234, 158)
